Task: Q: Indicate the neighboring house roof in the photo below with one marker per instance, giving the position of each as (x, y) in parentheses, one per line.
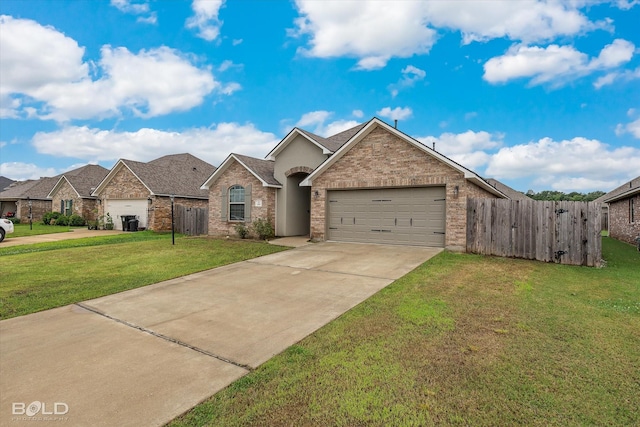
(5, 182)
(35, 189)
(624, 188)
(175, 174)
(83, 180)
(365, 129)
(261, 169)
(513, 194)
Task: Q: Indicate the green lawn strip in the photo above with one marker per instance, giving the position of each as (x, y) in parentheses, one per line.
(22, 230)
(37, 281)
(461, 340)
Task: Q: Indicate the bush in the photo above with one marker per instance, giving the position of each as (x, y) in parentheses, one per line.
(242, 230)
(62, 220)
(49, 216)
(14, 220)
(263, 229)
(76, 221)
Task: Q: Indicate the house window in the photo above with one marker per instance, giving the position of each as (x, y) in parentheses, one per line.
(631, 210)
(68, 207)
(236, 203)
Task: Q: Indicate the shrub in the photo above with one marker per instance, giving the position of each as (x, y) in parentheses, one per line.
(49, 216)
(76, 221)
(62, 220)
(242, 230)
(263, 229)
(14, 220)
(108, 222)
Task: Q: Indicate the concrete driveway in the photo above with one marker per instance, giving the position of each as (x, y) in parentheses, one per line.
(145, 356)
(75, 233)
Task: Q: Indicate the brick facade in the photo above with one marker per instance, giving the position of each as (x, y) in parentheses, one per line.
(160, 210)
(86, 208)
(38, 209)
(383, 160)
(620, 225)
(123, 185)
(236, 174)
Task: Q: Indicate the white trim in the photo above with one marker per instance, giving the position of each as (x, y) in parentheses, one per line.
(114, 170)
(55, 187)
(373, 123)
(223, 167)
(290, 137)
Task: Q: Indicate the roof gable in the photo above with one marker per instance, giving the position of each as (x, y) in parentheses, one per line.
(82, 180)
(291, 136)
(365, 129)
(261, 169)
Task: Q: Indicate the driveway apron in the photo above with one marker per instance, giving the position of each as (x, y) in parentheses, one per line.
(144, 356)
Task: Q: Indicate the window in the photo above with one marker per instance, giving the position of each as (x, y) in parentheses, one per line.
(236, 203)
(67, 205)
(631, 210)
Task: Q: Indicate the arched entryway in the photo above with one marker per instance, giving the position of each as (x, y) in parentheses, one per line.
(298, 206)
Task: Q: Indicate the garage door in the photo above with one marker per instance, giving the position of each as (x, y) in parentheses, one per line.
(407, 216)
(117, 208)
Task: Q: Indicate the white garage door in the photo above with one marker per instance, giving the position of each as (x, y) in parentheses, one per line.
(117, 208)
(407, 216)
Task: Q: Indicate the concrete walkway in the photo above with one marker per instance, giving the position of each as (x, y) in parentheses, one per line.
(76, 233)
(143, 357)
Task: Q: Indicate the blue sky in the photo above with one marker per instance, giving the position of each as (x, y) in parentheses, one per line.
(538, 94)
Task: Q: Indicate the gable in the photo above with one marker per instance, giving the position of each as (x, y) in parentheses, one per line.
(300, 152)
(63, 189)
(121, 183)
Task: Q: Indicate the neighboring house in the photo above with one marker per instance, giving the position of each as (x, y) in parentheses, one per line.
(72, 193)
(624, 211)
(5, 182)
(144, 190)
(505, 189)
(371, 183)
(17, 197)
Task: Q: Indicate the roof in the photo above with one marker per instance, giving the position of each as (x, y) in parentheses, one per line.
(5, 182)
(624, 188)
(365, 129)
(513, 194)
(261, 169)
(175, 174)
(36, 189)
(83, 180)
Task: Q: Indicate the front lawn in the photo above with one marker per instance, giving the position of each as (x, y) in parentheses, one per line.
(46, 275)
(22, 229)
(461, 340)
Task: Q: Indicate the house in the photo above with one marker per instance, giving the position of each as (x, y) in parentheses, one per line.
(624, 211)
(72, 192)
(371, 183)
(5, 182)
(19, 197)
(144, 190)
(513, 194)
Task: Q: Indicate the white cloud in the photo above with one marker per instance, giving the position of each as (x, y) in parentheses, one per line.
(205, 19)
(395, 114)
(20, 171)
(357, 113)
(410, 75)
(610, 78)
(575, 164)
(212, 144)
(315, 122)
(554, 63)
(60, 86)
(633, 128)
(236, 42)
(136, 8)
(467, 148)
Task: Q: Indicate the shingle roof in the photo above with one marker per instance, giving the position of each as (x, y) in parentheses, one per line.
(262, 168)
(34, 189)
(627, 186)
(5, 182)
(513, 194)
(334, 142)
(86, 178)
(177, 174)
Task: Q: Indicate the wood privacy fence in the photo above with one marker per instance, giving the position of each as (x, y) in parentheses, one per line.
(191, 221)
(562, 232)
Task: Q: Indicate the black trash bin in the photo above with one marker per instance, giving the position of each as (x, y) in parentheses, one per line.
(133, 225)
(125, 221)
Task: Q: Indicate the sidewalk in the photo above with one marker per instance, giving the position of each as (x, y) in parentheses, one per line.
(76, 233)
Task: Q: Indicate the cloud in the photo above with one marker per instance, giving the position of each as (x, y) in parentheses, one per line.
(205, 19)
(610, 78)
(357, 113)
(62, 87)
(554, 63)
(632, 128)
(576, 164)
(20, 171)
(315, 122)
(395, 114)
(212, 144)
(133, 8)
(469, 148)
(410, 75)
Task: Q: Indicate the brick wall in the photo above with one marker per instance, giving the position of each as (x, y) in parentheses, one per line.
(86, 208)
(123, 185)
(160, 210)
(384, 160)
(38, 209)
(620, 225)
(238, 175)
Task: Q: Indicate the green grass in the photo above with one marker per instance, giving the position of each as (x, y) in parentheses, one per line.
(47, 275)
(461, 340)
(21, 230)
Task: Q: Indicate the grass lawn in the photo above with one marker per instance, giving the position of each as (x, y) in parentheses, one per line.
(461, 340)
(21, 230)
(46, 275)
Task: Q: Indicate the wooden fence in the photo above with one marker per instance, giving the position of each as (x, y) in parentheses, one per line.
(562, 232)
(191, 221)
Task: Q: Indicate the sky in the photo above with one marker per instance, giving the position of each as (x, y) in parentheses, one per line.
(541, 95)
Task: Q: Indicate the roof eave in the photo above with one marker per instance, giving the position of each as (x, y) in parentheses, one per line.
(624, 195)
(290, 137)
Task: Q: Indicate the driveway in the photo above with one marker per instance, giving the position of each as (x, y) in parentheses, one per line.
(143, 357)
(76, 233)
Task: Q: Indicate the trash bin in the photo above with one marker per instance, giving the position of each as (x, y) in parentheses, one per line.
(133, 225)
(125, 221)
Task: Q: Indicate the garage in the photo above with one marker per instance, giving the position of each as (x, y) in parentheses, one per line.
(400, 216)
(117, 208)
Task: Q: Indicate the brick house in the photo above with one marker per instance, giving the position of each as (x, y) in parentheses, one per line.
(16, 198)
(71, 195)
(371, 183)
(624, 211)
(144, 190)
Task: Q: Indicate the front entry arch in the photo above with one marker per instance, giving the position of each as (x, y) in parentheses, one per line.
(298, 206)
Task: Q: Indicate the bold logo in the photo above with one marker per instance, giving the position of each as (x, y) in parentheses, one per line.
(35, 407)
